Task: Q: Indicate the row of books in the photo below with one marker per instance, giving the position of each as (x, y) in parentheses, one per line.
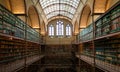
(12, 50)
(86, 34)
(14, 26)
(108, 23)
(106, 49)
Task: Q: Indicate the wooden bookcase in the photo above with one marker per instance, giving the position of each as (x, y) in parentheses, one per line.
(17, 39)
(104, 43)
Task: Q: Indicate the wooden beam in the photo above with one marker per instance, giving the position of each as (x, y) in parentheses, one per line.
(20, 14)
(98, 13)
(82, 28)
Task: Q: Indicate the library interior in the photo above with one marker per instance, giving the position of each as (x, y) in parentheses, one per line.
(59, 35)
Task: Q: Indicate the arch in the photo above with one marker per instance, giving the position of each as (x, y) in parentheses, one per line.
(68, 30)
(85, 15)
(62, 18)
(111, 3)
(33, 17)
(43, 28)
(15, 6)
(59, 17)
(60, 27)
(6, 4)
(60, 11)
(102, 5)
(76, 28)
(18, 6)
(51, 30)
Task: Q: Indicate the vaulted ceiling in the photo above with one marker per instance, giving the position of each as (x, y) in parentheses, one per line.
(65, 8)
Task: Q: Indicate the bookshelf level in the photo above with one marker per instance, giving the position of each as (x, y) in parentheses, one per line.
(108, 50)
(14, 26)
(11, 50)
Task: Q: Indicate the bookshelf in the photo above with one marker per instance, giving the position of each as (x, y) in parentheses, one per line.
(104, 45)
(13, 26)
(109, 22)
(17, 39)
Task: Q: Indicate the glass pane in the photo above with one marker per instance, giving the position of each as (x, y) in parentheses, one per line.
(51, 30)
(59, 28)
(68, 30)
(51, 6)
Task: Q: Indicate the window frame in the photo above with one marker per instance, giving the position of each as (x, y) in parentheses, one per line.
(59, 29)
(51, 30)
(68, 30)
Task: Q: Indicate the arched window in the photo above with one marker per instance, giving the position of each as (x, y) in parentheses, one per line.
(68, 30)
(51, 30)
(59, 28)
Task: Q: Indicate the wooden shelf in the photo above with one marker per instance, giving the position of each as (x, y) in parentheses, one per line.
(101, 64)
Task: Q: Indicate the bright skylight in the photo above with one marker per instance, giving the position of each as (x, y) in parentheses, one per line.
(59, 7)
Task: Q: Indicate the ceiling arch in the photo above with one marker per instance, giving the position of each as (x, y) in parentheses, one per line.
(76, 28)
(111, 3)
(33, 17)
(18, 6)
(15, 6)
(61, 11)
(59, 17)
(59, 7)
(43, 28)
(6, 4)
(85, 16)
(100, 6)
